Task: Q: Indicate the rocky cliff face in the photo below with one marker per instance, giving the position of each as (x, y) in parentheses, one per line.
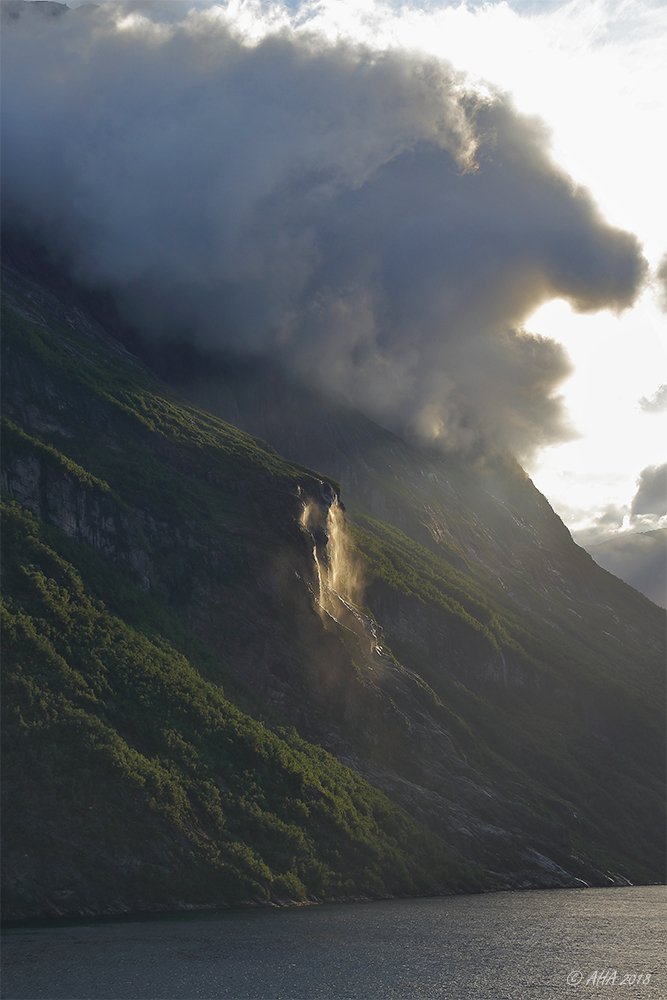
(86, 515)
(470, 660)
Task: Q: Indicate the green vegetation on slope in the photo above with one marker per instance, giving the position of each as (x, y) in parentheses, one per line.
(515, 733)
(201, 485)
(182, 567)
(98, 715)
(410, 569)
(112, 377)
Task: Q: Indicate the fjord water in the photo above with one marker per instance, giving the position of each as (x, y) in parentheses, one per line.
(537, 945)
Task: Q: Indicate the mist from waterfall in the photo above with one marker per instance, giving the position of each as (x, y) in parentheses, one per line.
(339, 572)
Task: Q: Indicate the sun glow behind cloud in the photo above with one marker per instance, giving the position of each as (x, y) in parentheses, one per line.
(617, 361)
(595, 71)
(599, 78)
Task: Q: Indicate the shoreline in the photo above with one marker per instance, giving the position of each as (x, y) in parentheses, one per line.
(229, 909)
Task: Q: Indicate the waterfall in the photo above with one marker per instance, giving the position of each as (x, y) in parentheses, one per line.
(334, 567)
(339, 574)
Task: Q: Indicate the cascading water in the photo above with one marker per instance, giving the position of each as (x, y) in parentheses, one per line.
(339, 575)
(311, 522)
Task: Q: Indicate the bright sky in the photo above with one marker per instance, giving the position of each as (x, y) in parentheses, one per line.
(596, 72)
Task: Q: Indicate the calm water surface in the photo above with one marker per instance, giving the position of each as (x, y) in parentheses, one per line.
(520, 945)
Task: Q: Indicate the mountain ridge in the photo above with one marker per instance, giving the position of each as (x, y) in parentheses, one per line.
(437, 684)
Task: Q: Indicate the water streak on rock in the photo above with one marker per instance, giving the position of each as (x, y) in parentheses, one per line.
(339, 573)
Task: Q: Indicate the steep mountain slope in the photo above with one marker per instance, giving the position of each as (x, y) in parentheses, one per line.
(477, 530)
(450, 644)
(130, 781)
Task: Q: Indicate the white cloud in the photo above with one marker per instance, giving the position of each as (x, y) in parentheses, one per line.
(357, 212)
(595, 71)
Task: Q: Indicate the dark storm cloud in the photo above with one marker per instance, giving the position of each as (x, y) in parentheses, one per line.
(359, 215)
(651, 495)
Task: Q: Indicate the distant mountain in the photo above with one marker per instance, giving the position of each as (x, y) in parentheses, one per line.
(229, 677)
(639, 558)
